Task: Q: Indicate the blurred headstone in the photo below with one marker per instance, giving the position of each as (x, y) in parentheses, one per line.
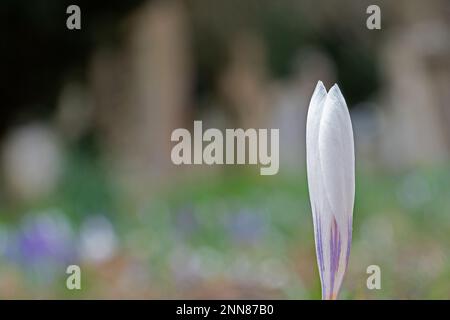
(74, 112)
(414, 123)
(291, 100)
(244, 83)
(142, 94)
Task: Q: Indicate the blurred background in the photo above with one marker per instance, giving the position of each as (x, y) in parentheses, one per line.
(85, 170)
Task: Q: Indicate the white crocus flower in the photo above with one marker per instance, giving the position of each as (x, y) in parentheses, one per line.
(331, 183)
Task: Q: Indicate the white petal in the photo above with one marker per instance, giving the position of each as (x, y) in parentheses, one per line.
(320, 208)
(312, 136)
(331, 183)
(337, 161)
(336, 152)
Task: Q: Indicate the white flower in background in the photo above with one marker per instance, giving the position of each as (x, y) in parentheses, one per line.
(98, 240)
(331, 183)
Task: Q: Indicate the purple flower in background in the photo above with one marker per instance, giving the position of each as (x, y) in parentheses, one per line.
(247, 226)
(43, 243)
(331, 183)
(185, 221)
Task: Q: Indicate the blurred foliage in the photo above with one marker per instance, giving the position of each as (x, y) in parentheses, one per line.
(37, 44)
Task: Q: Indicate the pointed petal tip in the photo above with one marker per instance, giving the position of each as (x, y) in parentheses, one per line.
(318, 97)
(335, 95)
(335, 89)
(320, 86)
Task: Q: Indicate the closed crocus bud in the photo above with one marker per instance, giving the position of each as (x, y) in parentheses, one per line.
(331, 183)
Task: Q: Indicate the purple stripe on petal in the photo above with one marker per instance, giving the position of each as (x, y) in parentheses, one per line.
(319, 248)
(335, 252)
(332, 256)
